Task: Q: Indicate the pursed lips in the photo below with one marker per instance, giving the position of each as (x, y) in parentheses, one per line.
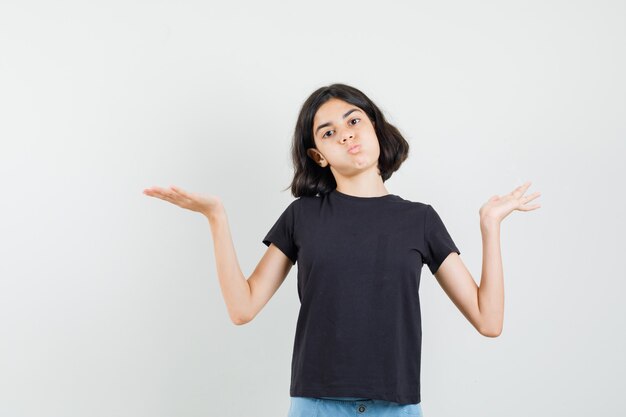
(354, 148)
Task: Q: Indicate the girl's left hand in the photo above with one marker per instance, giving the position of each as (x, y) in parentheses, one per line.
(498, 207)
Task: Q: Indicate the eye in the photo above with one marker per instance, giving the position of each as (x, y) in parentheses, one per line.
(351, 120)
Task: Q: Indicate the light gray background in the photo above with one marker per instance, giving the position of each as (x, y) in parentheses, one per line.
(109, 300)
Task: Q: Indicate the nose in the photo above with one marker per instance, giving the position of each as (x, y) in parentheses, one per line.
(346, 135)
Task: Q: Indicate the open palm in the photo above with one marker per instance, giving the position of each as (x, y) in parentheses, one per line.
(498, 207)
(202, 203)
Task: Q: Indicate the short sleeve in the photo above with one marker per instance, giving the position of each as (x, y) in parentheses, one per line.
(282, 233)
(438, 243)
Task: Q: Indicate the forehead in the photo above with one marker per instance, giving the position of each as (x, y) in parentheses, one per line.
(331, 110)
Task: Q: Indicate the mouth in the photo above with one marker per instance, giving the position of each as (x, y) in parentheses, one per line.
(354, 149)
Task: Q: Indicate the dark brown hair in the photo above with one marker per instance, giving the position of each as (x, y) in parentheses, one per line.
(309, 178)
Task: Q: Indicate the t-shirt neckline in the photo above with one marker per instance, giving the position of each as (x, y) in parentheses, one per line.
(357, 198)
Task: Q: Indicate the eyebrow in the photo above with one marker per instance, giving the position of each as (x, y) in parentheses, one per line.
(329, 123)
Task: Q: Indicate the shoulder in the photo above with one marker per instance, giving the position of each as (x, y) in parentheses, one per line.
(303, 204)
(308, 201)
(416, 206)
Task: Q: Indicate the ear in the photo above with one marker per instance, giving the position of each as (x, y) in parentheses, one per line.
(316, 156)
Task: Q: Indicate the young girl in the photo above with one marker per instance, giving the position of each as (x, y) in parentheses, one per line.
(360, 251)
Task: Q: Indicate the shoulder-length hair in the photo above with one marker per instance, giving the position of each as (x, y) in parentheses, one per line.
(309, 178)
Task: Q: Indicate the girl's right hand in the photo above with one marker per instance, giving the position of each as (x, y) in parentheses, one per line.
(205, 204)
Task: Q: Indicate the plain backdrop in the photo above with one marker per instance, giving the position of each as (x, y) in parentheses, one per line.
(109, 300)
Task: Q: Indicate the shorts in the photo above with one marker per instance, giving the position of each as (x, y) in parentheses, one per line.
(350, 407)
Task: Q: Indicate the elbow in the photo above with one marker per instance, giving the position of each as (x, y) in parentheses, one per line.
(490, 326)
(240, 319)
(491, 332)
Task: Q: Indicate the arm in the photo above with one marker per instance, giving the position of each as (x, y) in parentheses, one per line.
(234, 286)
(482, 306)
(491, 290)
(267, 277)
(245, 297)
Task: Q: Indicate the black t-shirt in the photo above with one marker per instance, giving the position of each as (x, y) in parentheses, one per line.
(359, 330)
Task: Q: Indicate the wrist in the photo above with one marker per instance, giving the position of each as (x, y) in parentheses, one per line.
(215, 212)
(489, 223)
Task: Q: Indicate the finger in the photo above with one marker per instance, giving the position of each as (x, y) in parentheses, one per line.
(531, 197)
(164, 195)
(181, 196)
(155, 189)
(150, 190)
(153, 193)
(178, 190)
(531, 208)
(169, 196)
(523, 186)
(519, 191)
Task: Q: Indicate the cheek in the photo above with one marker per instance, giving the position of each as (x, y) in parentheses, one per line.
(375, 141)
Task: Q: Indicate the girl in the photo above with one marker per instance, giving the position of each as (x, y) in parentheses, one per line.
(360, 251)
